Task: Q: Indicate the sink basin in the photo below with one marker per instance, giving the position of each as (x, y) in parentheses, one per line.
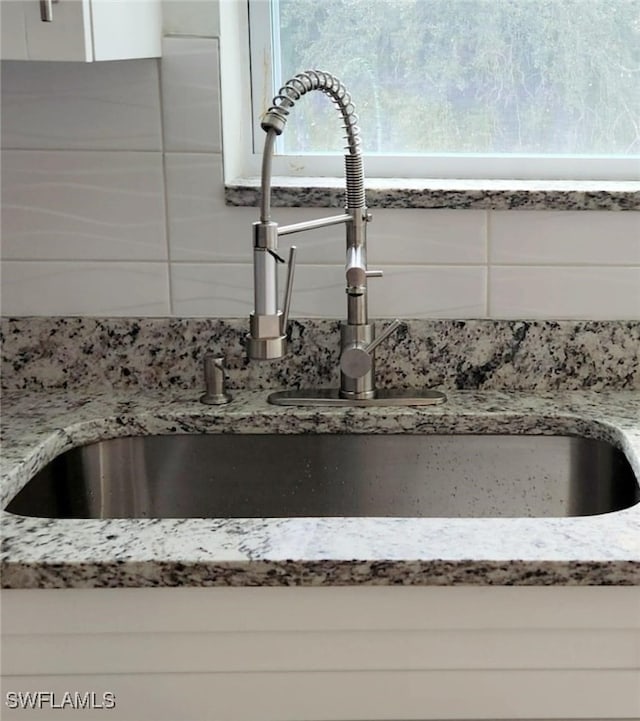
(244, 476)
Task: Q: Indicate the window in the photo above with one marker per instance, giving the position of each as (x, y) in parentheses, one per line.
(458, 88)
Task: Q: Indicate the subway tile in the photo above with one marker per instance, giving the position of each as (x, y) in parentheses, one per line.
(201, 226)
(82, 205)
(191, 17)
(427, 236)
(598, 293)
(190, 94)
(565, 237)
(216, 289)
(83, 288)
(429, 292)
(212, 289)
(13, 29)
(88, 106)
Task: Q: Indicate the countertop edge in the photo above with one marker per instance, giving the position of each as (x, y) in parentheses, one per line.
(472, 572)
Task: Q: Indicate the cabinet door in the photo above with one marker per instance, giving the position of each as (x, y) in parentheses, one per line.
(81, 30)
(13, 42)
(67, 37)
(131, 29)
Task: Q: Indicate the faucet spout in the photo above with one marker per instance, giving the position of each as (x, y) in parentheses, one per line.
(265, 180)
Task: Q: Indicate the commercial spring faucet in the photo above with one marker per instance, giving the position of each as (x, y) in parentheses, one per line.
(268, 325)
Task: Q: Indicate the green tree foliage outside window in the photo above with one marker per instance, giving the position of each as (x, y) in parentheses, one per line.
(469, 76)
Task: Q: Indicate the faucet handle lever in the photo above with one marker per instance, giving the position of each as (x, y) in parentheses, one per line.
(374, 273)
(357, 360)
(288, 289)
(391, 328)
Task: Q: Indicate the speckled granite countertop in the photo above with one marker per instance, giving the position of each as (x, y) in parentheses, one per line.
(438, 193)
(46, 553)
(70, 381)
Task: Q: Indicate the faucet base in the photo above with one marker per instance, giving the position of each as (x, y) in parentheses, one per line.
(383, 397)
(266, 348)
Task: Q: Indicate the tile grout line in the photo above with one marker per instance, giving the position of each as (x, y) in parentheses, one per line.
(488, 276)
(165, 191)
(409, 265)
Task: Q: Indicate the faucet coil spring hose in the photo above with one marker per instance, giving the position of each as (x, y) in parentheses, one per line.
(302, 83)
(275, 119)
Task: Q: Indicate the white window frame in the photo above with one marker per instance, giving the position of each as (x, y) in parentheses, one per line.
(428, 166)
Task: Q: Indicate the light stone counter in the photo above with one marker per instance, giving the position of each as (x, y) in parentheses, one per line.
(49, 553)
(304, 192)
(70, 381)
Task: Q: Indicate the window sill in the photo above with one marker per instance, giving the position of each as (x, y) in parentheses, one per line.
(454, 194)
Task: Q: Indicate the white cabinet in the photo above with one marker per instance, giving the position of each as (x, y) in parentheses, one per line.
(81, 30)
(338, 654)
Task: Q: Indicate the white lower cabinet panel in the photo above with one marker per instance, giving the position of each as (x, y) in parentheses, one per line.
(322, 654)
(295, 651)
(337, 696)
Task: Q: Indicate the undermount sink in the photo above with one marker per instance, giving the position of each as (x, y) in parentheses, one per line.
(255, 476)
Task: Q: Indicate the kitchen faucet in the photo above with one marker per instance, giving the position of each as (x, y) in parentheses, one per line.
(267, 339)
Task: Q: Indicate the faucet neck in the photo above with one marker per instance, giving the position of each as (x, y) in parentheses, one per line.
(265, 182)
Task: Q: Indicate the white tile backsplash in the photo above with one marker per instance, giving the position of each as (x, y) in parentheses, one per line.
(213, 289)
(190, 17)
(201, 226)
(83, 205)
(538, 237)
(190, 94)
(113, 204)
(226, 289)
(428, 236)
(88, 106)
(85, 288)
(429, 292)
(597, 293)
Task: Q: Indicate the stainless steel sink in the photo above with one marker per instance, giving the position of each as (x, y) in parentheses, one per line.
(243, 476)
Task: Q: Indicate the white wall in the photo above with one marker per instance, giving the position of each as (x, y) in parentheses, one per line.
(113, 204)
